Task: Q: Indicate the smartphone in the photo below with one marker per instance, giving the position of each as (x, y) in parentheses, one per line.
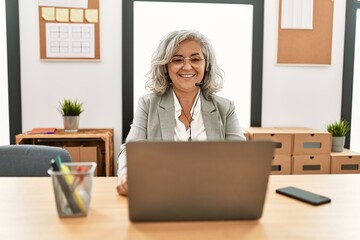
(302, 195)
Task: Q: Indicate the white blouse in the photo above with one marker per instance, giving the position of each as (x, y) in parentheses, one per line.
(197, 127)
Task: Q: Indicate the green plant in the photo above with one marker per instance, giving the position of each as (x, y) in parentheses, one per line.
(338, 128)
(69, 107)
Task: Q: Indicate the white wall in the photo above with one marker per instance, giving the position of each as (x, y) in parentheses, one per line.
(306, 96)
(4, 103)
(292, 95)
(98, 84)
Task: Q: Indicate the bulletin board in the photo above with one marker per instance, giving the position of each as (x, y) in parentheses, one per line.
(296, 46)
(69, 29)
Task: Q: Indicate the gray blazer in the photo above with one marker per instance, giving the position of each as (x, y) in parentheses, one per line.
(154, 120)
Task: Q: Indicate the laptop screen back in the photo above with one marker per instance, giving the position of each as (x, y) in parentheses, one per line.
(176, 181)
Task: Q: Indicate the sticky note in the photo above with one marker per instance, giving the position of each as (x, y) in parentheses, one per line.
(76, 15)
(91, 15)
(62, 14)
(48, 13)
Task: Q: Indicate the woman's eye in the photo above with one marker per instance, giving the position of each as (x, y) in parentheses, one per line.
(195, 60)
(177, 60)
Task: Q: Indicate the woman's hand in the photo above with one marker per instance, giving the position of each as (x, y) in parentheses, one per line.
(122, 186)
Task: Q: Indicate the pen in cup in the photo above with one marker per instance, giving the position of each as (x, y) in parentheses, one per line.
(79, 177)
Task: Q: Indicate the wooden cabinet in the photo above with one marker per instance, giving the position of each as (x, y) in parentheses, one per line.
(102, 138)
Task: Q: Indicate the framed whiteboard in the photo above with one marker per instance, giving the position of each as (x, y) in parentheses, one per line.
(235, 29)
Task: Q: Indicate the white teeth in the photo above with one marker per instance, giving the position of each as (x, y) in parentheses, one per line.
(187, 75)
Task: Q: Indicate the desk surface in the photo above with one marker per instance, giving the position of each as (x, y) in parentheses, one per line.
(27, 211)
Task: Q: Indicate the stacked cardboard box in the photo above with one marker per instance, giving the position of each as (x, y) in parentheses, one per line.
(283, 147)
(298, 150)
(345, 162)
(311, 151)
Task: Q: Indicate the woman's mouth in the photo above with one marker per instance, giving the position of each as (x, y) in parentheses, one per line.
(186, 75)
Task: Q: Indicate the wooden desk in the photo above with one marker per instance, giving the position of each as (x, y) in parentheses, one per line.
(102, 137)
(28, 211)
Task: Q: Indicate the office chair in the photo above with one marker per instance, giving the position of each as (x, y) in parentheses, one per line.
(29, 160)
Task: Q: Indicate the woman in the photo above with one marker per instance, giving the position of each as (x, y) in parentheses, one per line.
(183, 79)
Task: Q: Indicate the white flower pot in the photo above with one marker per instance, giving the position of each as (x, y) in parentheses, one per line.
(338, 144)
(71, 123)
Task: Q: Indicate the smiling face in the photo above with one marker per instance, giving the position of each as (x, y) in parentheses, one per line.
(184, 76)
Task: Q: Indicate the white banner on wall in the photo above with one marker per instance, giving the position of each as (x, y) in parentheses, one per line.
(64, 3)
(297, 14)
(4, 100)
(355, 111)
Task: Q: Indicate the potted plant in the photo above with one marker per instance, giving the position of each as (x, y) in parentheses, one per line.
(71, 110)
(338, 130)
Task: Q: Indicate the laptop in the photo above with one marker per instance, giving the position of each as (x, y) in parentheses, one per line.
(195, 181)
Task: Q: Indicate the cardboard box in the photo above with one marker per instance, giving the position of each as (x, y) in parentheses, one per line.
(281, 165)
(86, 154)
(345, 162)
(311, 164)
(309, 141)
(283, 140)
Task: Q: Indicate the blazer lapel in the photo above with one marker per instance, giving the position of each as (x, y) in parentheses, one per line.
(166, 116)
(211, 121)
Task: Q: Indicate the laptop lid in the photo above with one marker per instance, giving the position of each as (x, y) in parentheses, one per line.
(177, 181)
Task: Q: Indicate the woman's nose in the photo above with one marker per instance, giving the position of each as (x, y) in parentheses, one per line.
(187, 64)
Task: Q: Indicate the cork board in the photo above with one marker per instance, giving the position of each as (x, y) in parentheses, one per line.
(297, 46)
(69, 32)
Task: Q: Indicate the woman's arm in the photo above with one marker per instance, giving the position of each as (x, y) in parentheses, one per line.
(138, 132)
(233, 130)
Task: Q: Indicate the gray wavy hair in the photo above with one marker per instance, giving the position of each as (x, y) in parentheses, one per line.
(159, 79)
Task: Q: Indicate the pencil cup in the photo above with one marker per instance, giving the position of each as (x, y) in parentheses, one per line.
(72, 188)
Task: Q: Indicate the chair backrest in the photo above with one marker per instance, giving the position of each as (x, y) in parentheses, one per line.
(29, 160)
